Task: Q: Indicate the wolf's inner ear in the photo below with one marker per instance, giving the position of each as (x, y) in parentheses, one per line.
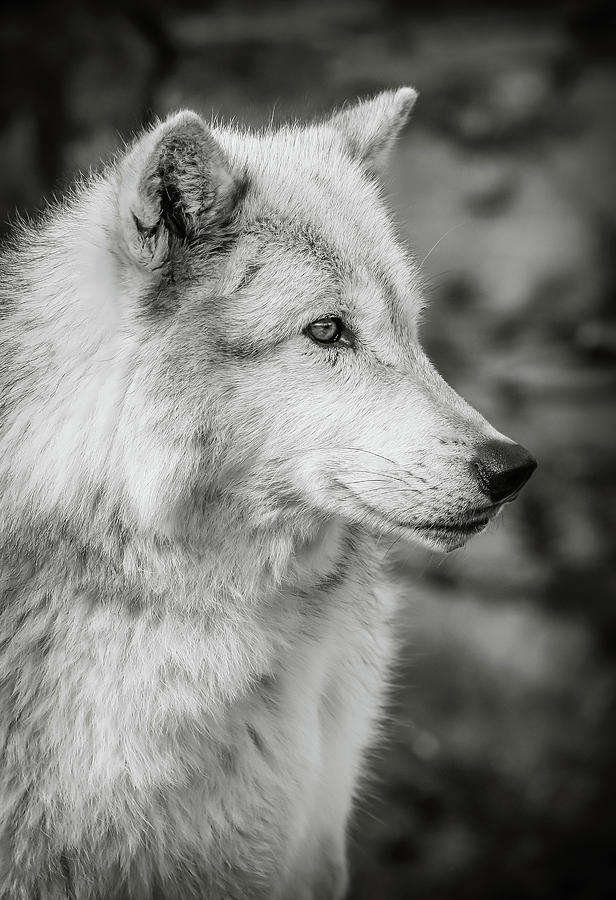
(370, 128)
(176, 182)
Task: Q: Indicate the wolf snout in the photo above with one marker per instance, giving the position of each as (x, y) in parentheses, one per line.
(503, 468)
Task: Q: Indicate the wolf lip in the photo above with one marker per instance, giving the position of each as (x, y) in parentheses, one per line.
(471, 527)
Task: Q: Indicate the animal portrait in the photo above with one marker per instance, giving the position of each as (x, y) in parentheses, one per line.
(214, 407)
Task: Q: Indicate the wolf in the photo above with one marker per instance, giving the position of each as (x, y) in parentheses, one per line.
(213, 402)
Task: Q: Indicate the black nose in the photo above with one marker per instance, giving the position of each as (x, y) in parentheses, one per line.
(503, 469)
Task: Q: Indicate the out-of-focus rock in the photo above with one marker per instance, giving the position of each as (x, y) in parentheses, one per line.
(537, 257)
(490, 186)
(597, 339)
(507, 105)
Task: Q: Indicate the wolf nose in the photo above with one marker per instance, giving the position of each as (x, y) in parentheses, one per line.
(503, 469)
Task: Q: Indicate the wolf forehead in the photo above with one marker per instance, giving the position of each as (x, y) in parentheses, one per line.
(306, 194)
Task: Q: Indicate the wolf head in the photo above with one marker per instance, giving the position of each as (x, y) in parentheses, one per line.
(262, 320)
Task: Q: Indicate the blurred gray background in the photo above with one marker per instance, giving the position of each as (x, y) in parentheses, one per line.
(496, 777)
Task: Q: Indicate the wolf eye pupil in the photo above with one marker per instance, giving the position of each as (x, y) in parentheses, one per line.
(326, 331)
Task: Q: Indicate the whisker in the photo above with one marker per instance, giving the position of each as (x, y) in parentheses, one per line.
(383, 475)
(389, 550)
(373, 453)
(383, 482)
(442, 238)
(388, 489)
(345, 450)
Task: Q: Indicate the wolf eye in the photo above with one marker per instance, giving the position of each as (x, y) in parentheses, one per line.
(326, 331)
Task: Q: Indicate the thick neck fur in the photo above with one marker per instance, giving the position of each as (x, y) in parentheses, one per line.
(69, 354)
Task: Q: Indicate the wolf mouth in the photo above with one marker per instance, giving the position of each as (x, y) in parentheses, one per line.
(447, 530)
(453, 528)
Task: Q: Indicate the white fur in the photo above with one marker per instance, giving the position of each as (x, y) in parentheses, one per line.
(196, 631)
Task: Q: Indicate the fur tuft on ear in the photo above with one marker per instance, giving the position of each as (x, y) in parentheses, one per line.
(370, 128)
(174, 183)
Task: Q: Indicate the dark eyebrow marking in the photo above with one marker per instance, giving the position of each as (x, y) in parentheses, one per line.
(256, 739)
(241, 349)
(251, 271)
(302, 237)
(321, 249)
(332, 580)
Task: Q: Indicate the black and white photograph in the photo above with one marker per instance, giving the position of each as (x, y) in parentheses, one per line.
(308, 450)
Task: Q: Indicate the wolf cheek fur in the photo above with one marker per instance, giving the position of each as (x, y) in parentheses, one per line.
(194, 625)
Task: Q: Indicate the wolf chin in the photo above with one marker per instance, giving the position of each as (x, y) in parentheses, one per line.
(213, 402)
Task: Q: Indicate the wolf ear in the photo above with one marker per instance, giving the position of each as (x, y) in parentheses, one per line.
(370, 128)
(174, 183)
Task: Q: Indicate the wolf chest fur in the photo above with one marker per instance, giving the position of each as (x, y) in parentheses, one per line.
(212, 403)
